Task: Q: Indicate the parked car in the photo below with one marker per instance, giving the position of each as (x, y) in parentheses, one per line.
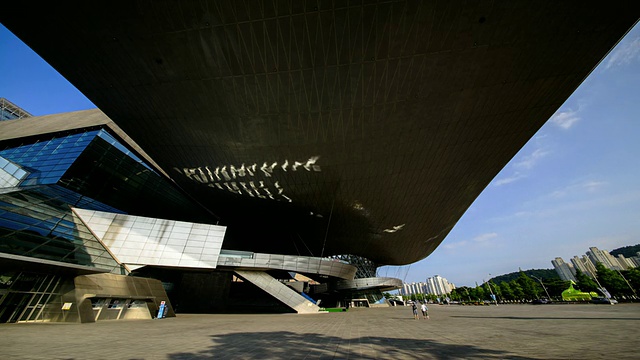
(603, 300)
(541, 301)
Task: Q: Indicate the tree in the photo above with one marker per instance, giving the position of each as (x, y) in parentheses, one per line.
(584, 282)
(456, 295)
(555, 287)
(496, 290)
(529, 286)
(612, 281)
(633, 276)
(540, 273)
(464, 293)
(506, 291)
(388, 295)
(518, 293)
(476, 293)
(480, 293)
(626, 251)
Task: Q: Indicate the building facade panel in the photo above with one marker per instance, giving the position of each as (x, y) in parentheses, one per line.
(170, 247)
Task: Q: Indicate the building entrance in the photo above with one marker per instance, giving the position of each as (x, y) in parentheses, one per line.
(12, 306)
(25, 296)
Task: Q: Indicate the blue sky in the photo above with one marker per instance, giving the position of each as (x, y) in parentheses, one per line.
(29, 82)
(576, 183)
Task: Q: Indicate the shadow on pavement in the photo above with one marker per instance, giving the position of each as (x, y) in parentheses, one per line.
(289, 345)
(542, 318)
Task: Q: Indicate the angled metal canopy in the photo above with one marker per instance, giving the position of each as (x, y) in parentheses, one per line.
(319, 128)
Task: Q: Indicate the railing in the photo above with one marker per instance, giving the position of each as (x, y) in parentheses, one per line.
(236, 254)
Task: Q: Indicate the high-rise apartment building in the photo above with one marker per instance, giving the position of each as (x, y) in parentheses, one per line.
(587, 263)
(635, 260)
(438, 285)
(413, 288)
(564, 270)
(584, 264)
(625, 263)
(601, 256)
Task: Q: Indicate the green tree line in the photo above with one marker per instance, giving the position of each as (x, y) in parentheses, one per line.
(620, 284)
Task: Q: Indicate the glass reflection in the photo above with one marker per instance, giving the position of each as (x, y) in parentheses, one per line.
(224, 177)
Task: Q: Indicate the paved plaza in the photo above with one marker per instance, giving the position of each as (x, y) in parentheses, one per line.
(453, 332)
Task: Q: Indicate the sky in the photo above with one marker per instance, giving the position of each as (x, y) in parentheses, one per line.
(574, 185)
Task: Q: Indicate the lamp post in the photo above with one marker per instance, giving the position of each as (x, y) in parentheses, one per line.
(544, 287)
(629, 285)
(493, 296)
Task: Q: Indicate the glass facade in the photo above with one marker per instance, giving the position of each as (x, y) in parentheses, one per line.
(41, 179)
(30, 297)
(9, 111)
(48, 160)
(10, 173)
(38, 222)
(366, 268)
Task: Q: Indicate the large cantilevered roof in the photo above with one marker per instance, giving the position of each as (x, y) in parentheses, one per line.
(327, 127)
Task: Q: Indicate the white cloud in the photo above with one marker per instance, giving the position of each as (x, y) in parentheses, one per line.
(526, 162)
(581, 203)
(454, 245)
(480, 240)
(624, 54)
(592, 186)
(578, 188)
(565, 119)
(529, 161)
(508, 180)
(521, 164)
(485, 237)
(521, 214)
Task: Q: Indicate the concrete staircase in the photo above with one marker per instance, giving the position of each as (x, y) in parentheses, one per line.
(280, 291)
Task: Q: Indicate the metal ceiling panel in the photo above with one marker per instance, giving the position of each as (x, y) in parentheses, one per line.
(328, 127)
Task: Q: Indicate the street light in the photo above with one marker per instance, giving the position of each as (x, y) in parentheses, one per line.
(629, 285)
(493, 296)
(544, 287)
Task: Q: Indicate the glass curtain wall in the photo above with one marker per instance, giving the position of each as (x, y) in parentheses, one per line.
(41, 180)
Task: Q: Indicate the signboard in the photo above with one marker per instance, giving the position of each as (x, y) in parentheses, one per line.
(162, 310)
(66, 306)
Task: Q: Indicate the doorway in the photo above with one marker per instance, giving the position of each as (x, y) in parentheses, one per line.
(27, 295)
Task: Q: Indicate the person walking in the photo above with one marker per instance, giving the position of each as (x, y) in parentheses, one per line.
(425, 311)
(414, 308)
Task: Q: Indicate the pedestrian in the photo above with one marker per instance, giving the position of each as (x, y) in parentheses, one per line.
(425, 311)
(414, 308)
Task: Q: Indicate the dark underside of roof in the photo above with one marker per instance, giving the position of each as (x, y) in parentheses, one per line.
(327, 127)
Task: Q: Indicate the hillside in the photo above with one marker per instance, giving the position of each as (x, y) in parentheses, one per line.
(627, 251)
(545, 274)
(549, 274)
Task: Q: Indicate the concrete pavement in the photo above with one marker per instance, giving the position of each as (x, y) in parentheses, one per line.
(454, 332)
